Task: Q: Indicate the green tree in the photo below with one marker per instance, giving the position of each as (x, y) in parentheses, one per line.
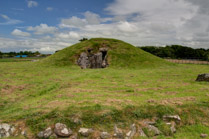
(84, 39)
(1, 54)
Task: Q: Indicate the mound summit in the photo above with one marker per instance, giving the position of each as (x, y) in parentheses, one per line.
(103, 52)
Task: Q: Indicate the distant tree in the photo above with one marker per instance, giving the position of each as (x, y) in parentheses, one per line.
(1, 54)
(178, 51)
(84, 39)
(37, 53)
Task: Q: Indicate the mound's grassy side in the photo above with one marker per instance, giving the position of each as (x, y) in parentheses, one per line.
(120, 54)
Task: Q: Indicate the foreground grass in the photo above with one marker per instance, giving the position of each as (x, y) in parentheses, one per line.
(41, 96)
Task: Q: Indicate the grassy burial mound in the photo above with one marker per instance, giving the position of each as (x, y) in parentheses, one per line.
(118, 54)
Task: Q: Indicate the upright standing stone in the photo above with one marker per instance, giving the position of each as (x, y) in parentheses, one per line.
(83, 61)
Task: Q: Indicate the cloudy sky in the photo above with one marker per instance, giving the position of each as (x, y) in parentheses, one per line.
(50, 25)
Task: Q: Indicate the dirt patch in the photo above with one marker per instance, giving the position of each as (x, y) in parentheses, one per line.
(110, 101)
(148, 89)
(172, 101)
(171, 93)
(9, 89)
(57, 104)
(177, 101)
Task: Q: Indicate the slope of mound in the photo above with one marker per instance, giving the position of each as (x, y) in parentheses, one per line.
(120, 54)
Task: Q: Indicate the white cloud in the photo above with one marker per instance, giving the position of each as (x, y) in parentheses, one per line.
(9, 21)
(42, 29)
(70, 35)
(49, 9)
(44, 46)
(89, 19)
(92, 18)
(32, 3)
(73, 22)
(5, 17)
(20, 33)
(127, 27)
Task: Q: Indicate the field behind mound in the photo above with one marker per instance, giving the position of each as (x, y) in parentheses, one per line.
(120, 54)
(40, 96)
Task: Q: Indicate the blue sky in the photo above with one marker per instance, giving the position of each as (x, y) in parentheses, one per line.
(50, 25)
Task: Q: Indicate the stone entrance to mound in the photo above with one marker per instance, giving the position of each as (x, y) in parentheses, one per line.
(92, 60)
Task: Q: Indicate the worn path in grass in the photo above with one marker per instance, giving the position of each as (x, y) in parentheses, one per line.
(31, 91)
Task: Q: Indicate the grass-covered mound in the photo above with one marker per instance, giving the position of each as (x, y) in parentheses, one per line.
(120, 54)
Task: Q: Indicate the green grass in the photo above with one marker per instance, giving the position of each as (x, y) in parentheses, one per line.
(41, 96)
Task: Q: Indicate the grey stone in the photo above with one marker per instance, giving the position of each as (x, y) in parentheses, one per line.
(141, 133)
(5, 130)
(75, 136)
(173, 129)
(40, 134)
(154, 129)
(104, 135)
(83, 61)
(12, 130)
(203, 77)
(76, 120)
(48, 132)
(150, 123)
(62, 130)
(203, 135)
(6, 127)
(24, 133)
(44, 134)
(118, 133)
(132, 132)
(85, 131)
(172, 117)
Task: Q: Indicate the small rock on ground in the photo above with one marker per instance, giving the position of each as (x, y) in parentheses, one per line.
(141, 133)
(104, 135)
(172, 117)
(203, 135)
(45, 134)
(85, 131)
(154, 129)
(62, 130)
(132, 132)
(6, 130)
(118, 133)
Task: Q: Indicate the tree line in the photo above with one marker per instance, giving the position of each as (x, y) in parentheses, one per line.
(178, 52)
(13, 54)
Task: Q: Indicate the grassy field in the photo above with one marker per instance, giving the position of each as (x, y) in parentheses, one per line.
(20, 59)
(38, 96)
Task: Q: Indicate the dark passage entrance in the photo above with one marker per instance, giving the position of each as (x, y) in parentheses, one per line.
(104, 53)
